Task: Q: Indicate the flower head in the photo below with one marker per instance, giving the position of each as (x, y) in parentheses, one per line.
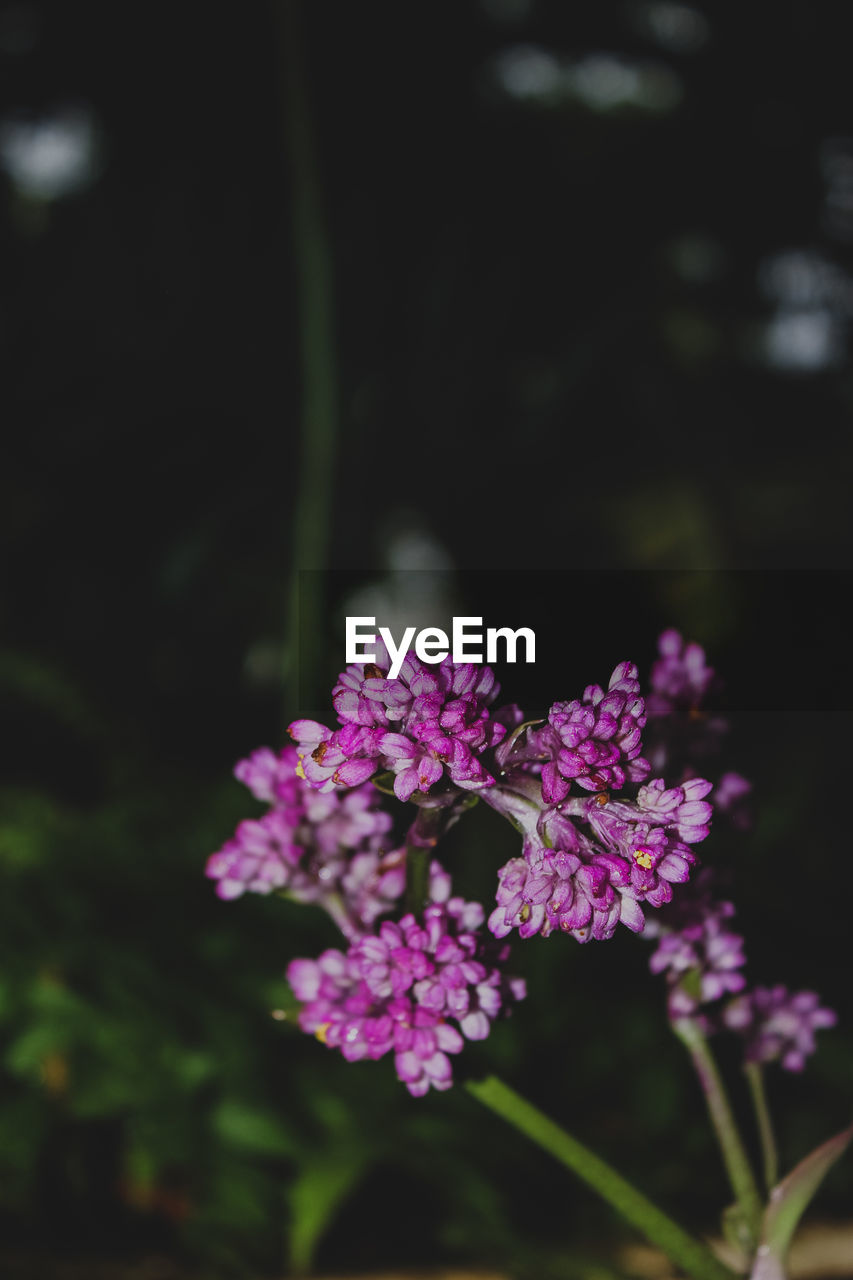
(418, 988)
(594, 741)
(702, 960)
(318, 847)
(680, 677)
(679, 728)
(596, 861)
(731, 797)
(778, 1025)
(552, 889)
(431, 722)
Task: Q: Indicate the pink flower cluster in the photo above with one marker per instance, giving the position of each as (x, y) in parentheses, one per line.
(595, 741)
(601, 843)
(778, 1024)
(430, 723)
(591, 862)
(316, 847)
(417, 988)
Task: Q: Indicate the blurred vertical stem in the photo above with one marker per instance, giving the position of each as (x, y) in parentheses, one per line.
(315, 318)
(420, 842)
(681, 1248)
(734, 1154)
(755, 1078)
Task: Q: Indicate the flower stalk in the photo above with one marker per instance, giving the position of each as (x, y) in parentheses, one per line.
(755, 1079)
(685, 1251)
(737, 1163)
(314, 299)
(420, 842)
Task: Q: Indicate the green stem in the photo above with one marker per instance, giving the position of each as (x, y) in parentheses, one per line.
(737, 1163)
(420, 842)
(755, 1078)
(680, 1247)
(315, 320)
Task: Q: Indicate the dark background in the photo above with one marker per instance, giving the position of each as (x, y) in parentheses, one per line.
(587, 354)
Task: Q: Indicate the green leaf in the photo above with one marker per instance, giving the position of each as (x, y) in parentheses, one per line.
(315, 1196)
(789, 1199)
(253, 1129)
(384, 782)
(26, 1054)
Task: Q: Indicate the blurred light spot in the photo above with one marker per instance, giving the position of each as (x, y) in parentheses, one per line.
(51, 157)
(19, 29)
(414, 548)
(804, 278)
(416, 590)
(264, 663)
(507, 10)
(528, 72)
(601, 81)
(675, 27)
(836, 166)
(813, 299)
(696, 258)
(605, 82)
(803, 341)
(791, 277)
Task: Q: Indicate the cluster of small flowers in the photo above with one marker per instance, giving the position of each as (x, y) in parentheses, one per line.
(701, 956)
(316, 847)
(431, 722)
(601, 841)
(778, 1024)
(682, 733)
(591, 862)
(403, 989)
(703, 961)
(424, 985)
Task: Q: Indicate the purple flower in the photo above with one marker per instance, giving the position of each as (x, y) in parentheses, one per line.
(679, 729)
(594, 741)
(680, 677)
(344, 758)
(338, 1008)
(731, 798)
(683, 809)
(702, 958)
(777, 1024)
(430, 723)
(402, 989)
(373, 884)
(260, 857)
(595, 862)
(268, 776)
(318, 847)
(593, 885)
(590, 863)
(552, 889)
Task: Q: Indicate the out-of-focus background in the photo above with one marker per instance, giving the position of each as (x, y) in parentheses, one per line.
(511, 307)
